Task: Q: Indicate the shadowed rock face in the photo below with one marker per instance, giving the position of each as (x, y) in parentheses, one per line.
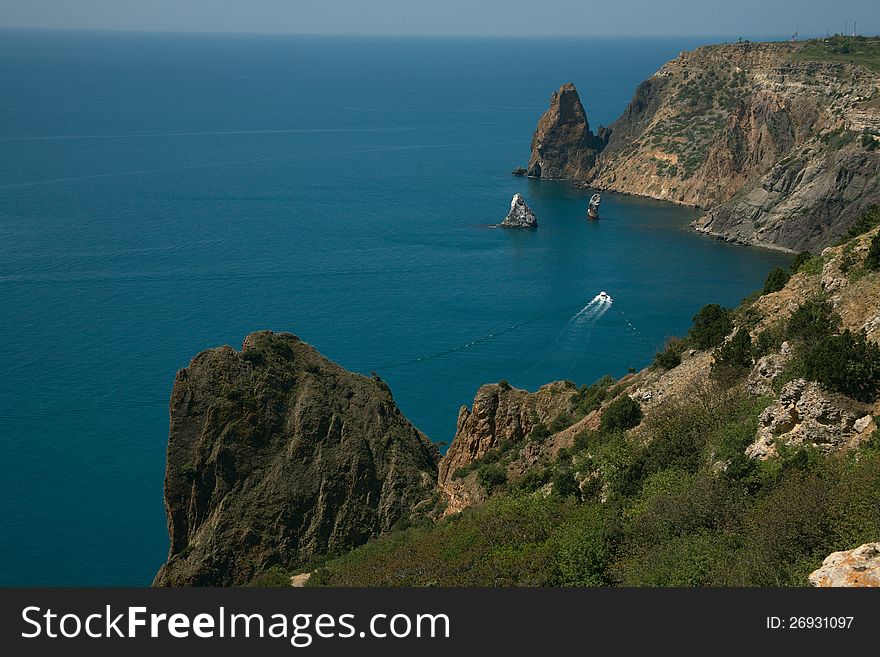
(563, 146)
(276, 455)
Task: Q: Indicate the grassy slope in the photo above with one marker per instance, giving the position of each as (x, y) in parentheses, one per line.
(864, 51)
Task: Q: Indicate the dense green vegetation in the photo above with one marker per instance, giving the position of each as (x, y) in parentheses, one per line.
(685, 509)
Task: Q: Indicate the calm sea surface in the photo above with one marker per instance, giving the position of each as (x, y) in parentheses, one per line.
(162, 194)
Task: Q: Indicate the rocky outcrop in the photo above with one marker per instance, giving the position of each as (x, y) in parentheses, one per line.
(858, 567)
(805, 414)
(500, 415)
(766, 370)
(520, 215)
(781, 151)
(563, 145)
(276, 455)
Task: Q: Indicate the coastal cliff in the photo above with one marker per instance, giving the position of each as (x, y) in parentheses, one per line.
(276, 455)
(746, 453)
(778, 142)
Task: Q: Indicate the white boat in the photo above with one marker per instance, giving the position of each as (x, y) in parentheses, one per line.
(604, 296)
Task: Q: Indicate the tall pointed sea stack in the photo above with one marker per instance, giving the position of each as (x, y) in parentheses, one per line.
(563, 146)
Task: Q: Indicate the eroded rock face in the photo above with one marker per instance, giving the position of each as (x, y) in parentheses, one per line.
(858, 567)
(563, 145)
(520, 215)
(806, 414)
(276, 455)
(499, 415)
(767, 369)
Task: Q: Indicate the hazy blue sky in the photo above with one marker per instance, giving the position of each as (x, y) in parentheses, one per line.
(464, 17)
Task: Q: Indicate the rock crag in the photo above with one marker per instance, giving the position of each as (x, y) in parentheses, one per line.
(520, 215)
(563, 145)
(858, 567)
(276, 455)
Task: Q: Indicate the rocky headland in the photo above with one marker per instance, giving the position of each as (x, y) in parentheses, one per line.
(778, 142)
(277, 455)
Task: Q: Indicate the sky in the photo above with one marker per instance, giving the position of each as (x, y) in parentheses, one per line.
(746, 18)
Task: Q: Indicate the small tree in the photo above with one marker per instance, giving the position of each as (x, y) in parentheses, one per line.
(734, 358)
(623, 413)
(846, 363)
(491, 477)
(711, 326)
(812, 321)
(776, 280)
(564, 483)
(799, 260)
(872, 260)
(670, 357)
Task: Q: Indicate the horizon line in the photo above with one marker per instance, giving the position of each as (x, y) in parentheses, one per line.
(120, 30)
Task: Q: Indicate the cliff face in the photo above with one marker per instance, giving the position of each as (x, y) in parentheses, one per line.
(275, 455)
(500, 418)
(781, 151)
(563, 145)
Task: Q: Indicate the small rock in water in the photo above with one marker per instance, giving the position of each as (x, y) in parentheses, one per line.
(519, 171)
(520, 215)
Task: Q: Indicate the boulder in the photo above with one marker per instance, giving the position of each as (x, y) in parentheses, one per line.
(805, 414)
(858, 567)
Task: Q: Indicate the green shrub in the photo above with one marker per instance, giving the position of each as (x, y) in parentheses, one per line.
(711, 325)
(591, 397)
(846, 363)
(733, 359)
(504, 384)
(539, 431)
(271, 578)
(564, 483)
(776, 280)
(623, 413)
(533, 479)
(872, 260)
(799, 261)
(670, 357)
(812, 321)
(867, 220)
(770, 339)
(560, 422)
(491, 476)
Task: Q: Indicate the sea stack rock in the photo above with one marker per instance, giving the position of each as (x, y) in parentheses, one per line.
(520, 215)
(563, 146)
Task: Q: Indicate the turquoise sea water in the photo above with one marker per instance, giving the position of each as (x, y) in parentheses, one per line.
(162, 194)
